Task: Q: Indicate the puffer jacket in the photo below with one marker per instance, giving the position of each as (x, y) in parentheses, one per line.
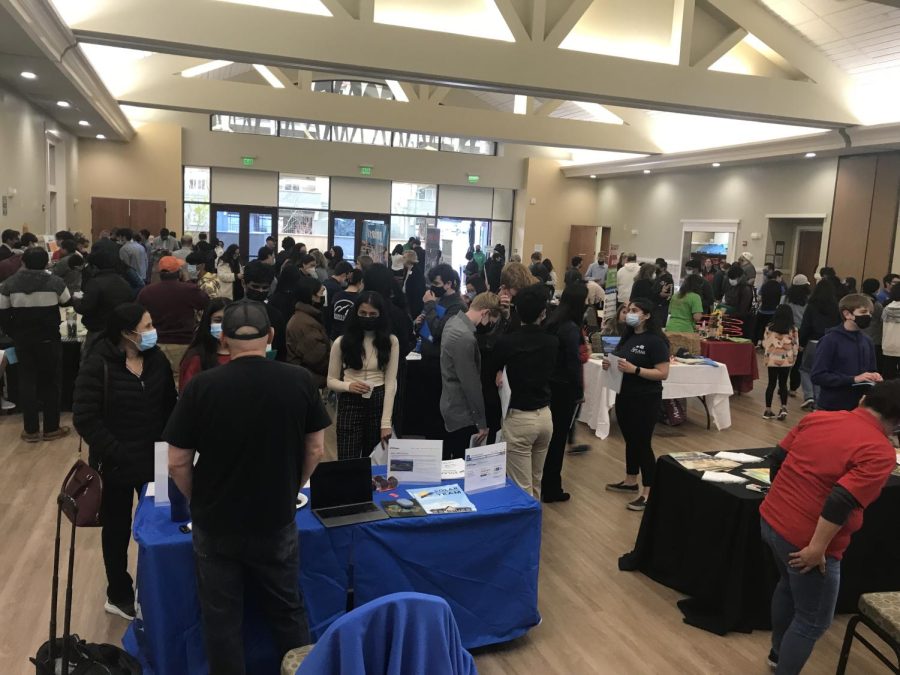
(890, 329)
(307, 342)
(121, 416)
(104, 290)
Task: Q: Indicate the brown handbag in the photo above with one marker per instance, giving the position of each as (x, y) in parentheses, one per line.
(81, 494)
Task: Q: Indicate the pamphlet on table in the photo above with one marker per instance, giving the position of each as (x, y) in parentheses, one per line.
(485, 467)
(443, 499)
(402, 508)
(762, 475)
(415, 460)
(700, 461)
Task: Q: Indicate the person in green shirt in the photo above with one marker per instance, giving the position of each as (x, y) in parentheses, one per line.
(686, 307)
(479, 258)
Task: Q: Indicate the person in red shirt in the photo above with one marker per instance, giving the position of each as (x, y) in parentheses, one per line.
(825, 472)
(206, 349)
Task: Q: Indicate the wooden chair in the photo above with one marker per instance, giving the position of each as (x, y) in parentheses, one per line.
(880, 612)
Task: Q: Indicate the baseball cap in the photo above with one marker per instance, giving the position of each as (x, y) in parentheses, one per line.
(746, 255)
(243, 315)
(170, 263)
(799, 280)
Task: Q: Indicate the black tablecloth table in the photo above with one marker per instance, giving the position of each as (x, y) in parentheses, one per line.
(702, 539)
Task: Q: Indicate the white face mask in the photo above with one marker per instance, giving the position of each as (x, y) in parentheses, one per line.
(733, 282)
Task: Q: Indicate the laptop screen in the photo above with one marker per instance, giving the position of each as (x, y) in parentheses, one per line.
(348, 481)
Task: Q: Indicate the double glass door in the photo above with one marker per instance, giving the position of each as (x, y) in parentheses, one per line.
(361, 234)
(246, 226)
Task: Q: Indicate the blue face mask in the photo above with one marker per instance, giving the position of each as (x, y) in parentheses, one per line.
(215, 329)
(148, 340)
(633, 320)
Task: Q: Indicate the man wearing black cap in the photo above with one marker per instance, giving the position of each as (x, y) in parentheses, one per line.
(244, 486)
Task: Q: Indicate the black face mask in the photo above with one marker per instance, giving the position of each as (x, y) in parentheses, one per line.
(368, 322)
(863, 321)
(438, 291)
(482, 328)
(256, 295)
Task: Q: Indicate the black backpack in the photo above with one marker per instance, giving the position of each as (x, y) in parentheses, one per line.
(85, 659)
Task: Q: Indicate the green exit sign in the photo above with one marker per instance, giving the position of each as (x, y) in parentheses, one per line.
(248, 161)
(365, 171)
(474, 179)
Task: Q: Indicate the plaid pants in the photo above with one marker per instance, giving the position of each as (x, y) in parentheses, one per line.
(359, 423)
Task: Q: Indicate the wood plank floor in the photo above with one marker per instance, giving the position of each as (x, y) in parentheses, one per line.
(595, 618)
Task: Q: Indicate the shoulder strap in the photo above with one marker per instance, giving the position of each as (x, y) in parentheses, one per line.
(105, 388)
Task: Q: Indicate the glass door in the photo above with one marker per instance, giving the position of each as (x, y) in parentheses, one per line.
(246, 226)
(361, 234)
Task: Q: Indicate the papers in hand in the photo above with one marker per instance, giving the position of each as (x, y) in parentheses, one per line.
(505, 395)
(719, 477)
(740, 457)
(613, 374)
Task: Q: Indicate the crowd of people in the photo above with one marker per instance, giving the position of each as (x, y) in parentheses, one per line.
(194, 344)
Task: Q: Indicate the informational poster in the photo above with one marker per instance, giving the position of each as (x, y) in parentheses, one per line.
(415, 461)
(374, 240)
(485, 468)
(433, 251)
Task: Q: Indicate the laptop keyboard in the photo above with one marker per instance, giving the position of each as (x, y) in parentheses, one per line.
(349, 510)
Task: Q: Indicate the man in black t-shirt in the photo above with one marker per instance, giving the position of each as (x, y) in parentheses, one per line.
(244, 486)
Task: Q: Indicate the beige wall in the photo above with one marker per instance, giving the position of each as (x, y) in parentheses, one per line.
(560, 202)
(149, 167)
(23, 167)
(655, 205)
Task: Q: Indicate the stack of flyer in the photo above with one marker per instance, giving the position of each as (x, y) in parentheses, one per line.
(443, 499)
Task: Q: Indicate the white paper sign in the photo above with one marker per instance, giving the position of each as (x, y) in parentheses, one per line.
(485, 468)
(505, 395)
(161, 473)
(415, 460)
(378, 455)
(453, 469)
(613, 375)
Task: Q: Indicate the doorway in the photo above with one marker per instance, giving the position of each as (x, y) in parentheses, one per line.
(809, 245)
(360, 234)
(246, 226)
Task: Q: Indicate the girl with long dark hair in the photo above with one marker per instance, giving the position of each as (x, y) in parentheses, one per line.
(206, 350)
(363, 370)
(228, 270)
(781, 345)
(643, 358)
(124, 395)
(566, 385)
(821, 313)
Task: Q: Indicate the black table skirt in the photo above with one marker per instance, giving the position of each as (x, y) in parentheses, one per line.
(703, 540)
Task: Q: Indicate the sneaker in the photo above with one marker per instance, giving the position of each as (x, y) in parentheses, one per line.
(772, 660)
(808, 404)
(792, 393)
(57, 433)
(561, 497)
(768, 415)
(6, 405)
(782, 414)
(579, 449)
(126, 611)
(622, 487)
(638, 504)
(31, 438)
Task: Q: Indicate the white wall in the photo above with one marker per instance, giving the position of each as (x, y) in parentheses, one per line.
(360, 194)
(23, 167)
(655, 205)
(236, 186)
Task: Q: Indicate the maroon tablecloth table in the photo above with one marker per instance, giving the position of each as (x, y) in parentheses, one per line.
(740, 357)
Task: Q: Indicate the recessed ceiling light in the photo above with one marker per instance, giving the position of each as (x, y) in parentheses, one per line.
(593, 175)
(101, 137)
(28, 75)
(84, 123)
(64, 104)
(646, 170)
(809, 155)
(716, 164)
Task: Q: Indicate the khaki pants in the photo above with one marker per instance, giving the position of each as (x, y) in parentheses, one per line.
(527, 434)
(174, 353)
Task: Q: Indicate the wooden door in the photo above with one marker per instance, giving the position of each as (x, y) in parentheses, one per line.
(582, 242)
(809, 243)
(108, 213)
(604, 239)
(149, 214)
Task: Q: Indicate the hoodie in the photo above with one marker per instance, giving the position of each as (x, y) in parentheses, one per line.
(625, 280)
(890, 326)
(840, 356)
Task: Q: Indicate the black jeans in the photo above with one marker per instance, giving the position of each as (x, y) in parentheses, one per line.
(457, 442)
(271, 563)
(562, 408)
(40, 372)
(891, 367)
(637, 415)
(778, 376)
(115, 516)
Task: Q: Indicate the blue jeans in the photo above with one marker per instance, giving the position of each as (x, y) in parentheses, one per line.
(802, 605)
(810, 391)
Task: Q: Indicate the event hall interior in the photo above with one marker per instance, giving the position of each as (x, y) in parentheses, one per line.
(478, 153)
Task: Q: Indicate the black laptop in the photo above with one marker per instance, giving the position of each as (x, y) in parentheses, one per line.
(341, 493)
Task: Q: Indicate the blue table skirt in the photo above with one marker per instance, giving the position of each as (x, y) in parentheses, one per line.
(485, 564)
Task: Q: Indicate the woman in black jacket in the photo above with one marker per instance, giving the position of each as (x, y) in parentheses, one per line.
(821, 314)
(124, 394)
(566, 385)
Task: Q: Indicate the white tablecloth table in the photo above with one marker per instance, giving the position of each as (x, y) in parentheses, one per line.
(685, 381)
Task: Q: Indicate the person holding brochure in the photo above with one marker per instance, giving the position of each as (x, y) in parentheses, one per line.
(643, 360)
(529, 356)
(363, 370)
